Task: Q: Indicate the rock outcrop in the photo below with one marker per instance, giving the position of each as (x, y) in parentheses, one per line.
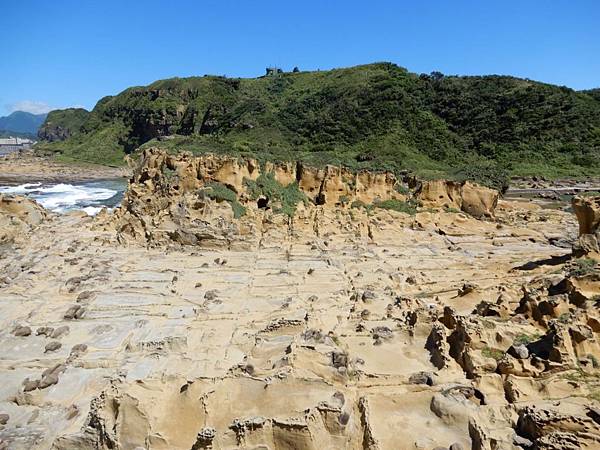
(587, 210)
(169, 196)
(478, 201)
(18, 216)
(170, 199)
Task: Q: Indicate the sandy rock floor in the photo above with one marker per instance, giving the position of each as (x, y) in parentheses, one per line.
(308, 341)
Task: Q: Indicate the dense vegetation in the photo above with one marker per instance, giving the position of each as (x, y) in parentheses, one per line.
(62, 124)
(376, 116)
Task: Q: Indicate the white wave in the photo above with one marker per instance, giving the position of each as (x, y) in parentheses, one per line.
(92, 210)
(21, 189)
(64, 197)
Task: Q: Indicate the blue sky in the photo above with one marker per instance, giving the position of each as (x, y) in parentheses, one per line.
(73, 52)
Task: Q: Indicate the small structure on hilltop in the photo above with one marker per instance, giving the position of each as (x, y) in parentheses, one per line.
(271, 71)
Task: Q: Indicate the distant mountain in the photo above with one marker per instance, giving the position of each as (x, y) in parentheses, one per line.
(20, 122)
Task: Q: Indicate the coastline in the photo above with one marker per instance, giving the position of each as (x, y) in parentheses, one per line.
(27, 167)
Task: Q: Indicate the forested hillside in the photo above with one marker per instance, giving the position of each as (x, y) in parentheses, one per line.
(372, 116)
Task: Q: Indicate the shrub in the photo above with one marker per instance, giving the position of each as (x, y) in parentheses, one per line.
(169, 174)
(450, 209)
(358, 204)
(582, 267)
(221, 193)
(397, 205)
(402, 189)
(266, 185)
(492, 353)
(524, 339)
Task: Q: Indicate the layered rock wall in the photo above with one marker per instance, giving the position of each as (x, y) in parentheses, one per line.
(322, 186)
(167, 199)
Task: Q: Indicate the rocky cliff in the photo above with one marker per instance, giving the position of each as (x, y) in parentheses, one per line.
(171, 196)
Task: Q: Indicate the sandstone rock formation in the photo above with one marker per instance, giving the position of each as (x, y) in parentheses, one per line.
(167, 196)
(587, 210)
(479, 201)
(18, 216)
(334, 328)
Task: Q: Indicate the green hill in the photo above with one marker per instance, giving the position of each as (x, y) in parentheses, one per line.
(62, 124)
(372, 116)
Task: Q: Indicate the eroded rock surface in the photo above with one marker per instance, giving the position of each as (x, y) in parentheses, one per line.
(471, 198)
(587, 210)
(18, 216)
(334, 328)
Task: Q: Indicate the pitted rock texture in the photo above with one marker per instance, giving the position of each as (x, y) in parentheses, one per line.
(478, 201)
(335, 328)
(587, 210)
(166, 200)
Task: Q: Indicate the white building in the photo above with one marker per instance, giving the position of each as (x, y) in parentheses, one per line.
(14, 143)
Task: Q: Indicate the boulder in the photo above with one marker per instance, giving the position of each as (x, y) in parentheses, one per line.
(519, 351)
(587, 210)
(422, 378)
(52, 346)
(476, 200)
(18, 216)
(22, 331)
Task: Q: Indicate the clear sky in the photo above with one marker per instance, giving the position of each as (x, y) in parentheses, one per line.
(73, 52)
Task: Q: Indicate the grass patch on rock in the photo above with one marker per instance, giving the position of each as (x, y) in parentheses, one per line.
(221, 193)
(582, 267)
(391, 205)
(286, 198)
(489, 352)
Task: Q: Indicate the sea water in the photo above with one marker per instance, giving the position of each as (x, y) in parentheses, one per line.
(89, 196)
